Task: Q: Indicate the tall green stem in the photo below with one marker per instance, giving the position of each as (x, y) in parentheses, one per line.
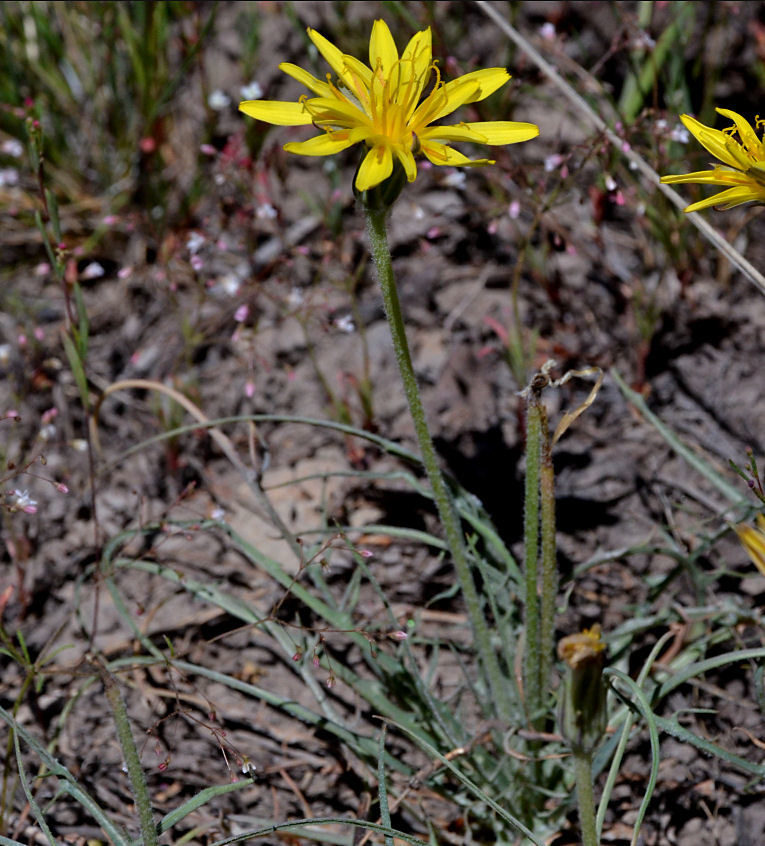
(548, 558)
(531, 675)
(540, 565)
(585, 797)
(381, 254)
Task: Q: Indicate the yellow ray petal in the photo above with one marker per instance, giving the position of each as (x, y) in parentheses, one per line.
(713, 140)
(728, 199)
(408, 163)
(483, 132)
(309, 80)
(332, 55)
(417, 56)
(325, 144)
(440, 154)
(754, 543)
(748, 135)
(443, 101)
(332, 110)
(361, 71)
(376, 168)
(276, 112)
(382, 49)
(718, 176)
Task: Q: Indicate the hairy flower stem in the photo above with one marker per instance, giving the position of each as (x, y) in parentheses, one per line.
(378, 239)
(585, 797)
(531, 662)
(132, 761)
(548, 558)
(540, 564)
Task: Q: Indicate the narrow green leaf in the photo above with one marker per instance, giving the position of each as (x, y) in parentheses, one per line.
(36, 811)
(382, 790)
(710, 473)
(273, 829)
(641, 703)
(55, 221)
(77, 370)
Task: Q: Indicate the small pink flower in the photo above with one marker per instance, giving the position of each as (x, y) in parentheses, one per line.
(249, 389)
(241, 314)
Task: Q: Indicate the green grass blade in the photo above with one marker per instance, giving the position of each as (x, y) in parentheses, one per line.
(70, 784)
(475, 789)
(641, 703)
(382, 790)
(710, 473)
(36, 811)
(287, 826)
(673, 728)
(700, 667)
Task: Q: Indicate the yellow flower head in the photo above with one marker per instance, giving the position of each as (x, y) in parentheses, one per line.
(581, 648)
(743, 159)
(380, 106)
(754, 542)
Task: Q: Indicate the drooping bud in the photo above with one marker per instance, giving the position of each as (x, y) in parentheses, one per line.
(583, 714)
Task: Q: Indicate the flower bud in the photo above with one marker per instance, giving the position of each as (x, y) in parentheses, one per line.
(582, 715)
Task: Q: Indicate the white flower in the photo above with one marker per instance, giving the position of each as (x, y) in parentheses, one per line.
(251, 91)
(93, 271)
(547, 31)
(9, 176)
(22, 501)
(681, 134)
(218, 100)
(265, 211)
(455, 179)
(48, 432)
(195, 242)
(552, 162)
(345, 324)
(295, 297)
(230, 284)
(12, 147)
